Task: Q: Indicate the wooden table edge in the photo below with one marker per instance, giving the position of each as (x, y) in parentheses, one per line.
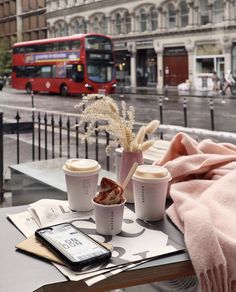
(127, 278)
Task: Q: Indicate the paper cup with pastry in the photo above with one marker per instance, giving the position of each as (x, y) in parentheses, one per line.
(109, 207)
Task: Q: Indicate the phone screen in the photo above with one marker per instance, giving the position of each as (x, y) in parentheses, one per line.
(72, 243)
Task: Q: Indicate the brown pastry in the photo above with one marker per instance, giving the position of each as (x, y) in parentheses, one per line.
(111, 193)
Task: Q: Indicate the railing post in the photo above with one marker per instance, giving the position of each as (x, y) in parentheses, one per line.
(33, 137)
(46, 136)
(33, 120)
(161, 109)
(161, 114)
(39, 136)
(17, 117)
(212, 115)
(68, 137)
(77, 138)
(1, 158)
(32, 99)
(185, 112)
(60, 137)
(53, 136)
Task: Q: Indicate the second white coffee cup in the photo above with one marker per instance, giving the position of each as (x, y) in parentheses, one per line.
(81, 181)
(150, 183)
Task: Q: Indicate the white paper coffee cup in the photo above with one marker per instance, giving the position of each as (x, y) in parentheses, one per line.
(150, 183)
(109, 218)
(81, 181)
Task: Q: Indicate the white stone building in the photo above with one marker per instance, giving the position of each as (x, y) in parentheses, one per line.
(156, 42)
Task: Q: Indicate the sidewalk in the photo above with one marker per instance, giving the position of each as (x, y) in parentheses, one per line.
(170, 91)
(151, 92)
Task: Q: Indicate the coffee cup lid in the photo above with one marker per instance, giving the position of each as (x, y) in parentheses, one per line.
(81, 165)
(151, 172)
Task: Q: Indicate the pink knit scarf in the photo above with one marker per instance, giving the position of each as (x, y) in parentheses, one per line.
(203, 191)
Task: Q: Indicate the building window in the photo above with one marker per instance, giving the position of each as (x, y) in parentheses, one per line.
(127, 20)
(96, 26)
(104, 25)
(117, 24)
(65, 3)
(171, 16)
(184, 12)
(143, 20)
(203, 10)
(61, 29)
(234, 59)
(57, 4)
(65, 30)
(218, 11)
(77, 27)
(84, 25)
(154, 19)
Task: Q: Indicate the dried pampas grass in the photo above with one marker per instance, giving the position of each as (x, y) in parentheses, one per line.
(152, 126)
(117, 122)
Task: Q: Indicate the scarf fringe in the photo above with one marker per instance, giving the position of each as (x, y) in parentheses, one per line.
(215, 280)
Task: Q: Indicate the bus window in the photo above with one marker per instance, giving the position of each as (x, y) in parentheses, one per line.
(64, 46)
(78, 73)
(19, 71)
(97, 43)
(75, 45)
(46, 72)
(56, 46)
(54, 71)
(31, 49)
(21, 50)
(48, 47)
(37, 72)
(69, 71)
(26, 71)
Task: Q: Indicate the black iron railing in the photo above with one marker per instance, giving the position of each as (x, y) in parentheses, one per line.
(51, 138)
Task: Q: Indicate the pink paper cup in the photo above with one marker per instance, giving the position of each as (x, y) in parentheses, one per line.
(108, 218)
(150, 184)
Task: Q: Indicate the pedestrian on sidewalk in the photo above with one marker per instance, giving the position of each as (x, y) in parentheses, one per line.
(215, 80)
(229, 81)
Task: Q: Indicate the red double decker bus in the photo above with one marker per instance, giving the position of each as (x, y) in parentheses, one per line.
(75, 64)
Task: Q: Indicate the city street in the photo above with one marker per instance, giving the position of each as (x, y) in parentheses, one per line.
(146, 104)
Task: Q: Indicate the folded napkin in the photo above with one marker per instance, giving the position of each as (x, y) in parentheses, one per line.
(203, 191)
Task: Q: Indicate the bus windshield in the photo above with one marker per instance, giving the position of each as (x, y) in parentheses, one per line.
(98, 72)
(100, 61)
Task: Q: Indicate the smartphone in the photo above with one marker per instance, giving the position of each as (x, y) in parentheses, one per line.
(73, 246)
